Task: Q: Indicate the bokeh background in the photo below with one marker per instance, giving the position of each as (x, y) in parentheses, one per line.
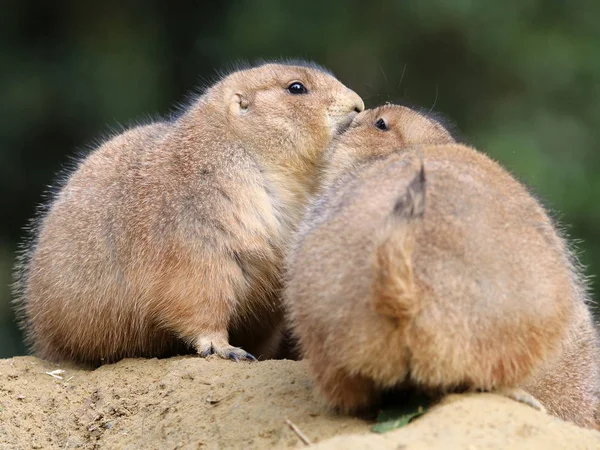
(520, 79)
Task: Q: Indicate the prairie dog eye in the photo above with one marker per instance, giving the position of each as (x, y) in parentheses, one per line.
(381, 124)
(297, 88)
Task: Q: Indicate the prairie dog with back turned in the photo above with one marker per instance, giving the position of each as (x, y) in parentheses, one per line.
(441, 273)
(171, 236)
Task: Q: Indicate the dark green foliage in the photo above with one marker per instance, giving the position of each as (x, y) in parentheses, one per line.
(401, 413)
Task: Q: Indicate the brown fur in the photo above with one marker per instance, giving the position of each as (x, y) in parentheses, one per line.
(172, 235)
(431, 266)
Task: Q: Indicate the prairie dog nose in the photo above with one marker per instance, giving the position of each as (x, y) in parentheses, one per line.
(349, 101)
(357, 103)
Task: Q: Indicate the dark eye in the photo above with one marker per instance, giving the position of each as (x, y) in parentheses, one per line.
(297, 88)
(380, 124)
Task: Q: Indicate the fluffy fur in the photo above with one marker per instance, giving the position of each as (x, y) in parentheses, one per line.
(171, 236)
(423, 262)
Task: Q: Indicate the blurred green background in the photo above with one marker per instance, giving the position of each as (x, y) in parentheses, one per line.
(519, 78)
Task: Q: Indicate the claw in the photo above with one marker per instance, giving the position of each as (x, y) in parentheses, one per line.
(521, 396)
(211, 345)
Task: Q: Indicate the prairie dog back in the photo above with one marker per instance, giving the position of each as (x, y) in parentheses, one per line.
(172, 241)
(442, 273)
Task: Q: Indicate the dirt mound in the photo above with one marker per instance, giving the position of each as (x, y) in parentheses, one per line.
(196, 403)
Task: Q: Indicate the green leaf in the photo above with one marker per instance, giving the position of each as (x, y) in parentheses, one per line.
(400, 415)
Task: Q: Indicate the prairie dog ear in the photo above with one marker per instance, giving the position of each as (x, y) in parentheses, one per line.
(239, 104)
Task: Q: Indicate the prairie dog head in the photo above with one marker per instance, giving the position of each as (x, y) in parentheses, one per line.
(286, 114)
(379, 132)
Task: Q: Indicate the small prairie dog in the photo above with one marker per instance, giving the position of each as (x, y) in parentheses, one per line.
(430, 266)
(170, 237)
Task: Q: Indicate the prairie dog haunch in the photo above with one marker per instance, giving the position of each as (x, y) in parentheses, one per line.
(429, 265)
(171, 236)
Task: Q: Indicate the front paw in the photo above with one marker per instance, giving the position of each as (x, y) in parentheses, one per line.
(207, 346)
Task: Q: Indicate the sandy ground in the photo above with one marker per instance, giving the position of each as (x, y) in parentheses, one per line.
(195, 403)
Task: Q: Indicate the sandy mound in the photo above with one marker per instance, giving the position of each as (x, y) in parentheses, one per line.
(196, 403)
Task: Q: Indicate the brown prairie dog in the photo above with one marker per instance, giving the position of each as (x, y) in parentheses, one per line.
(171, 236)
(442, 274)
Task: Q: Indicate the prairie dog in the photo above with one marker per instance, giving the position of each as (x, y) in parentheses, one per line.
(172, 236)
(442, 273)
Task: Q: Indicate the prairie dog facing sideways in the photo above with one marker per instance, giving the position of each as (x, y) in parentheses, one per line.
(172, 235)
(430, 266)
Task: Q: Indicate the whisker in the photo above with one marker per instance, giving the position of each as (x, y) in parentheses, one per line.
(436, 97)
(401, 76)
(371, 96)
(384, 76)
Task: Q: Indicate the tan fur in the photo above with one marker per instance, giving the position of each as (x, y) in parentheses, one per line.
(449, 279)
(172, 235)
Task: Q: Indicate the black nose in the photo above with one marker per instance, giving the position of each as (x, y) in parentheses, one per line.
(357, 109)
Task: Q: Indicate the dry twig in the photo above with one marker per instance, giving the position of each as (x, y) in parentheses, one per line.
(299, 433)
(56, 373)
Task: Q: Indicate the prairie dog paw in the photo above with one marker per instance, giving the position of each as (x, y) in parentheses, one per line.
(521, 396)
(217, 346)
